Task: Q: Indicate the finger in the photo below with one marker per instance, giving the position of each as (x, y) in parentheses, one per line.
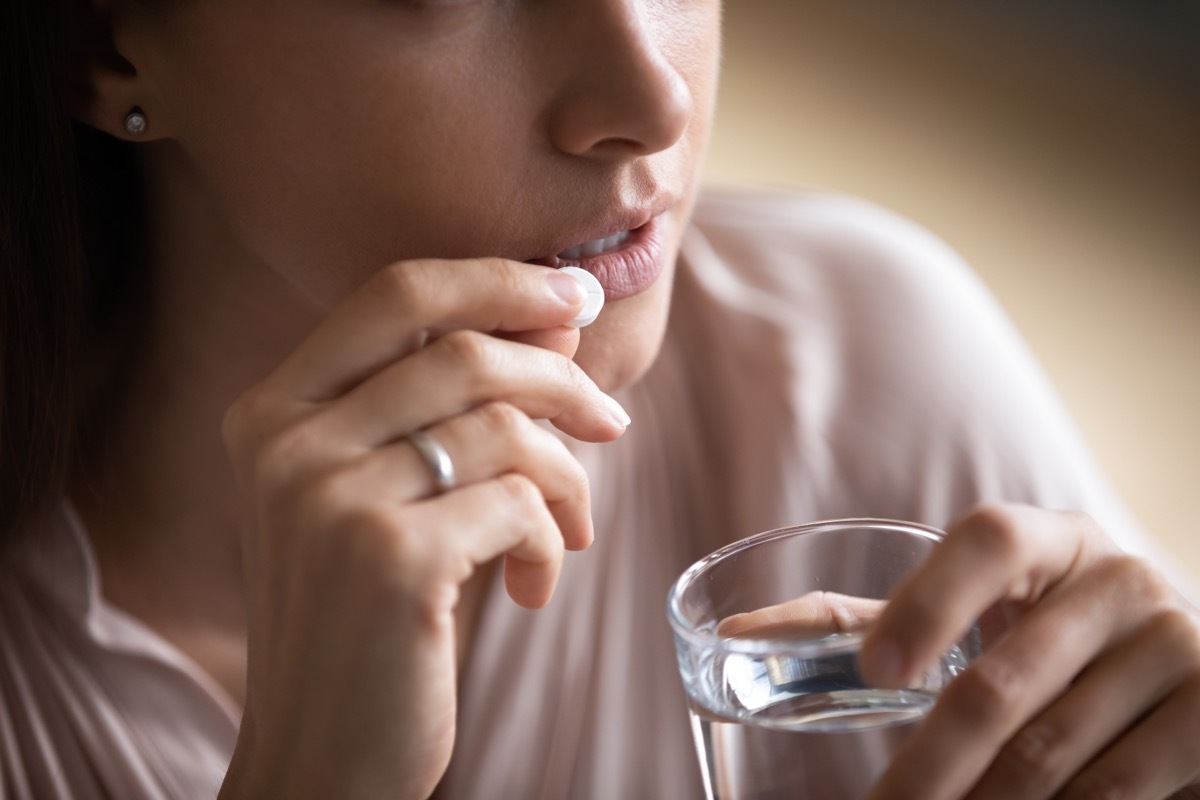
(409, 303)
(504, 516)
(517, 444)
(489, 441)
(1024, 673)
(813, 613)
(1159, 756)
(460, 371)
(982, 709)
(1108, 697)
(563, 340)
(1012, 553)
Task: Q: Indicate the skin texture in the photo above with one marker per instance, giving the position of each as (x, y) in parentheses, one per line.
(343, 193)
(462, 113)
(1086, 649)
(1092, 691)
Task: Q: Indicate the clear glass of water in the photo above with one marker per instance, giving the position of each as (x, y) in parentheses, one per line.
(767, 632)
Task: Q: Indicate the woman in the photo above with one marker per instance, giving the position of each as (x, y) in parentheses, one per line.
(333, 274)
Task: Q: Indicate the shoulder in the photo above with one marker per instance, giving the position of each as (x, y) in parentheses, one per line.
(865, 295)
(909, 389)
(833, 249)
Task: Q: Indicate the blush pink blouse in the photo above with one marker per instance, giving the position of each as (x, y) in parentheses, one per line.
(824, 359)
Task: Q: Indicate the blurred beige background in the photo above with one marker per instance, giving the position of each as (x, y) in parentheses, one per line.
(1059, 154)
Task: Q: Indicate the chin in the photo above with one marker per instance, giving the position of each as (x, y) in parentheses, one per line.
(622, 344)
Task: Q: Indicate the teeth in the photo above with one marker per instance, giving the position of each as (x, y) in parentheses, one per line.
(595, 247)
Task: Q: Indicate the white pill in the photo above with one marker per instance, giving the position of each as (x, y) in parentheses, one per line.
(595, 296)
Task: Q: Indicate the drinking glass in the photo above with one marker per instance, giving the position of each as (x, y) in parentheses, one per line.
(767, 633)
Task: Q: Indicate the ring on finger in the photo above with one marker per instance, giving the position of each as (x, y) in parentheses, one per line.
(441, 468)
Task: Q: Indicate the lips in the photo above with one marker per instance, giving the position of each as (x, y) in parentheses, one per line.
(626, 256)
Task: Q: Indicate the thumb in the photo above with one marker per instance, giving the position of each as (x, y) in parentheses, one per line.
(563, 340)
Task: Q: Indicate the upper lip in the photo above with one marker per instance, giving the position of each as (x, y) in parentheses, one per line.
(614, 221)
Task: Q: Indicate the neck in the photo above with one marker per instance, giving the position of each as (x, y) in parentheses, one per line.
(160, 503)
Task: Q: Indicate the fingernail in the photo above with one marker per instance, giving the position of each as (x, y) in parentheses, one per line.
(566, 288)
(616, 412)
(885, 663)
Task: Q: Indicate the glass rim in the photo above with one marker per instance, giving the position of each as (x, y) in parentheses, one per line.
(799, 647)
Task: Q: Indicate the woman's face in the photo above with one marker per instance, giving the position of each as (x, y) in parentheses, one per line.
(338, 136)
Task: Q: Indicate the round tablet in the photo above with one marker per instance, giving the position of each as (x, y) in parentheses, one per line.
(595, 296)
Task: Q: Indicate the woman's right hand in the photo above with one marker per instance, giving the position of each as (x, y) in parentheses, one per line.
(353, 563)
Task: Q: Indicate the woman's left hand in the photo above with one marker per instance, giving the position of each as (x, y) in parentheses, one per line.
(1091, 691)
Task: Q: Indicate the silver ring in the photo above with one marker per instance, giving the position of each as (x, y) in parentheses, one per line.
(436, 458)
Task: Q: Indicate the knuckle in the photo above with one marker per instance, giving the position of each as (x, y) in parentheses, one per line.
(996, 529)
(325, 516)
(329, 493)
(547, 448)
(244, 416)
(1180, 631)
(279, 458)
(399, 557)
(469, 349)
(1088, 530)
(570, 482)
(1154, 586)
(987, 691)
(404, 284)
(520, 490)
(544, 546)
(569, 487)
(392, 546)
(1138, 578)
(369, 527)
(336, 534)
(417, 556)
(234, 423)
(1034, 756)
(577, 482)
(502, 418)
(319, 502)
(1080, 520)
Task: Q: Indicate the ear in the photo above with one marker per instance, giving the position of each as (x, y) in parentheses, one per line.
(112, 88)
(112, 98)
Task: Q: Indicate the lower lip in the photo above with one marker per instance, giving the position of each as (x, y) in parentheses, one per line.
(630, 270)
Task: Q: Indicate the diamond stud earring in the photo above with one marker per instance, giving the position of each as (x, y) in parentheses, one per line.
(135, 123)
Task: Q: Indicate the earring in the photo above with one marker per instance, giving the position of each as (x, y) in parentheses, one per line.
(135, 123)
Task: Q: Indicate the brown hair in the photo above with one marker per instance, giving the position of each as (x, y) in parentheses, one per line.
(71, 234)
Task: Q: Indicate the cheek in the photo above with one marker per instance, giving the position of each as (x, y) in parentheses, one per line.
(328, 185)
(703, 71)
(691, 37)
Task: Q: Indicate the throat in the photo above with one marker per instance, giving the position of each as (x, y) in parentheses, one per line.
(182, 580)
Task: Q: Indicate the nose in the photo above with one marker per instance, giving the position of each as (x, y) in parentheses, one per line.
(621, 96)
